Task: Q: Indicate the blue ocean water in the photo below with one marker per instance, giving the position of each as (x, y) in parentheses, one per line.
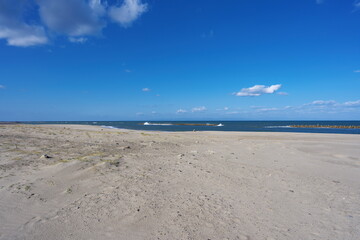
(249, 126)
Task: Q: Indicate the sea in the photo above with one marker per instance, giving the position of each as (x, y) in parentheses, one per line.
(234, 126)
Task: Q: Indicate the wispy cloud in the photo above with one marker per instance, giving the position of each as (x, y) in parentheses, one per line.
(267, 109)
(77, 39)
(199, 109)
(317, 109)
(181, 111)
(357, 3)
(323, 102)
(209, 34)
(146, 89)
(2, 86)
(320, 1)
(327, 106)
(75, 19)
(195, 109)
(352, 103)
(283, 93)
(258, 90)
(357, 71)
(232, 112)
(128, 12)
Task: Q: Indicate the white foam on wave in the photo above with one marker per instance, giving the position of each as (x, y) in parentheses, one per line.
(157, 124)
(220, 125)
(277, 127)
(109, 127)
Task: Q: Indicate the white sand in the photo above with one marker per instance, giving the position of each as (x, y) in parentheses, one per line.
(122, 184)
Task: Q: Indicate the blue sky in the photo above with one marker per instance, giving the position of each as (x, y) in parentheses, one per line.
(179, 60)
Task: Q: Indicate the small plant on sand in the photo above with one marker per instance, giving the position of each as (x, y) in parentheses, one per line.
(146, 134)
(27, 188)
(115, 163)
(69, 190)
(63, 161)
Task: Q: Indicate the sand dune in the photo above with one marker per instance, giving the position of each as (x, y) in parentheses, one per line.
(123, 184)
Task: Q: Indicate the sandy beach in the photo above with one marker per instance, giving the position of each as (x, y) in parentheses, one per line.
(86, 182)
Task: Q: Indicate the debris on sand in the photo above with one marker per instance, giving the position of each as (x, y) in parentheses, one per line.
(126, 147)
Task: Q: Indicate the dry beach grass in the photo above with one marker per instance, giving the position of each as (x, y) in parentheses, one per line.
(123, 184)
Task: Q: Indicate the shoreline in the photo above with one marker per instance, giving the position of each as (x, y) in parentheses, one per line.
(191, 131)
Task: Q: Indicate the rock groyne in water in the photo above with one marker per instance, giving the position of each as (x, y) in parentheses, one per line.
(325, 126)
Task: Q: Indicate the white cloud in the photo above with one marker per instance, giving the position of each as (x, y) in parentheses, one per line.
(146, 89)
(283, 93)
(223, 109)
(72, 17)
(267, 109)
(15, 30)
(181, 111)
(233, 112)
(78, 39)
(330, 104)
(315, 108)
(199, 109)
(24, 35)
(323, 102)
(352, 103)
(258, 90)
(128, 12)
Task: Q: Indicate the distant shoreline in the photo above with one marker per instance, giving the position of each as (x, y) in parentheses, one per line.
(8, 123)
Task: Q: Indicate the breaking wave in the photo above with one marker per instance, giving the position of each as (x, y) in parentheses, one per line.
(157, 124)
(109, 127)
(277, 127)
